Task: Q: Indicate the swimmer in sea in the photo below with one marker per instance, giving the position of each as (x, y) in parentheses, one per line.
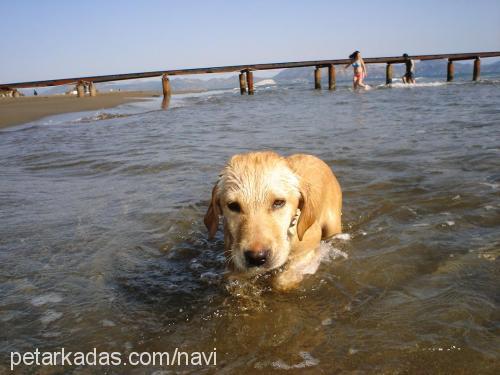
(359, 70)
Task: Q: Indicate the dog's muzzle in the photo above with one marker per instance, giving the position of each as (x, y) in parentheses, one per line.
(256, 258)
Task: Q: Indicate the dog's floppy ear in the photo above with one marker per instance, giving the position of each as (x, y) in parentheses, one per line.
(308, 210)
(211, 219)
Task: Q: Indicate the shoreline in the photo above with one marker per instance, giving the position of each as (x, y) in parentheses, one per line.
(18, 111)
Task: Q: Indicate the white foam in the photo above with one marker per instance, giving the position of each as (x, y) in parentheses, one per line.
(434, 349)
(46, 298)
(210, 277)
(329, 252)
(450, 223)
(489, 256)
(195, 265)
(50, 316)
(51, 335)
(5, 316)
(401, 85)
(325, 252)
(266, 82)
(412, 210)
(342, 236)
(308, 361)
(493, 186)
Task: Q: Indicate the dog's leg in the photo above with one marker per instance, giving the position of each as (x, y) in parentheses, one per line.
(304, 260)
(287, 280)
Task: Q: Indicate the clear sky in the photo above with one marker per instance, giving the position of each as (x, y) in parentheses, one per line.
(57, 39)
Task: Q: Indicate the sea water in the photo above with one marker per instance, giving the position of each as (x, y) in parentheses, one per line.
(102, 242)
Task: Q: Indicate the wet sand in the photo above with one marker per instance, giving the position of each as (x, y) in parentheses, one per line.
(15, 111)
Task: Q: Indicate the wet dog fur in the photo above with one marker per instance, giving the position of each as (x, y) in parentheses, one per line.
(275, 212)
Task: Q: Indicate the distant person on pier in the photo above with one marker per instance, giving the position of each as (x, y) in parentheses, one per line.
(359, 70)
(409, 76)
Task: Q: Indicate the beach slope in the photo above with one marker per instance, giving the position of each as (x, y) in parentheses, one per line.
(15, 111)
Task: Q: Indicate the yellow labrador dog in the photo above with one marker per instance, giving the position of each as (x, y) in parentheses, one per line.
(276, 210)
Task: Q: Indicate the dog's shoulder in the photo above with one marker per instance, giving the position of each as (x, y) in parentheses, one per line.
(306, 165)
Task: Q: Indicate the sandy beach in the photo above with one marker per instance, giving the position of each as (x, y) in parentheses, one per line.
(15, 111)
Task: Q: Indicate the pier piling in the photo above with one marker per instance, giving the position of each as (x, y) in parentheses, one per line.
(388, 74)
(165, 82)
(317, 78)
(92, 89)
(249, 74)
(477, 69)
(331, 77)
(80, 89)
(243, 85)
(450, 72)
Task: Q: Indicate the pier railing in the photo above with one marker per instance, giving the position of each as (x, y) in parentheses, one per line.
(246, 75)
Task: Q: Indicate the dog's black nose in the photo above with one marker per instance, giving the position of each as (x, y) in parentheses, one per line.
(256, 258)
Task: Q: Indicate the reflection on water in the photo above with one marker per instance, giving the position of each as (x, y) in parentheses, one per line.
(102, 242)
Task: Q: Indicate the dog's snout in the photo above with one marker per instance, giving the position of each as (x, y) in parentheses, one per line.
(256, 258)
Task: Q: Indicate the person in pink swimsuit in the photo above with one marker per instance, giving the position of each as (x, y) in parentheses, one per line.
(359, 67)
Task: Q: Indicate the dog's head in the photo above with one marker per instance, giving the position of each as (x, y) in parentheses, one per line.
(258, 195)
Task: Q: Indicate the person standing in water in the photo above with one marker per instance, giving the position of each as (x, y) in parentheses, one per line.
(409, 76)
(359, 70)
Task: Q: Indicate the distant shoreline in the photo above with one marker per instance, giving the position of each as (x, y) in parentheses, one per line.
(17, 111)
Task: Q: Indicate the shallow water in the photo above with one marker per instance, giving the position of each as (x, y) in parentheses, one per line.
(102, 242)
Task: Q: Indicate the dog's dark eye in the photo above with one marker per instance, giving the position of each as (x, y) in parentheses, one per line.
(278, 203)
(234, 206)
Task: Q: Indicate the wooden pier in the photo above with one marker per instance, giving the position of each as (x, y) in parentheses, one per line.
(87, 84)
